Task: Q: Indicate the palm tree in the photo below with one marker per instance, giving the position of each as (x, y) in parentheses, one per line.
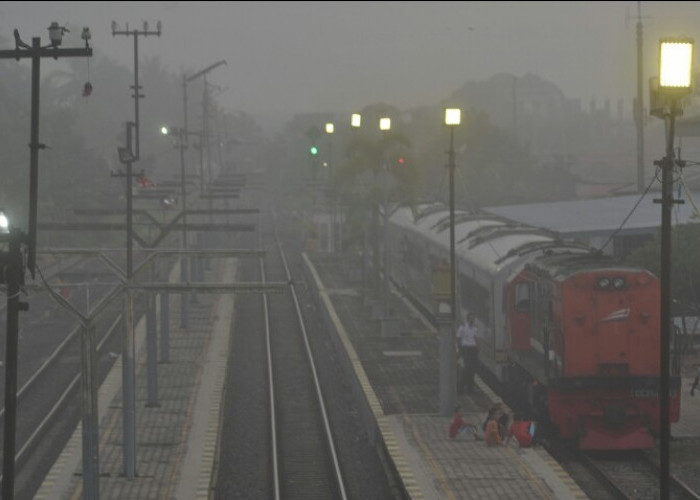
(377, 177)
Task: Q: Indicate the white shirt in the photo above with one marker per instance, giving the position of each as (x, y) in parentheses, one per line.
(467, 334)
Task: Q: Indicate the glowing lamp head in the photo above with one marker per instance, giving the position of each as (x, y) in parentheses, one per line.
(356, 120)
(4, 223)
(329, 128)
(675, 65)
(453, 116)
(385, 124)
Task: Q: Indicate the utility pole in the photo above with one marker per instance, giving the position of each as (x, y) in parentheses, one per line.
(127, 157)
(639, 104)
(137, 95)
(205, 118)
(13, 263)
(128, 367)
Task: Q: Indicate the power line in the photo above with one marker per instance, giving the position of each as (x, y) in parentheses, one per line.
(629, 214)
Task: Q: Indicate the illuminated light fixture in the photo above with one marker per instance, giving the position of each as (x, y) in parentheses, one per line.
(453, 116)
(329, 128)
(675, 64)
(164, 130)
(385, 124)
(355, 120)
(4, 223)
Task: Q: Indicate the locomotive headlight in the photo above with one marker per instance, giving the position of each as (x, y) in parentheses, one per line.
(603, 282)
(618, 283)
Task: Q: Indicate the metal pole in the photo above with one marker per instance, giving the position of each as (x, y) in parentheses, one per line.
(129, 389)
(453, 292)
(14, 278)
(184, 260)
(385, 253)
(151, 353)
(447, 349)
(137, 88)
(639, 105)
(34, 153)
(332, 193)
(128, 347)
(666, 206)
(136, 95)
(165, 327)
(129, 204)
(91, 467)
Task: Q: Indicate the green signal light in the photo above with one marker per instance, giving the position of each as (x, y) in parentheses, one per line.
(313, 150)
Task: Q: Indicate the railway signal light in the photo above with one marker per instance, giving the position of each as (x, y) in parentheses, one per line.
(313, 150)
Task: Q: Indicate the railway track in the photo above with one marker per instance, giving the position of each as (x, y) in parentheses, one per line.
(303, 451)
(290, 428)
(623, 475)
(631, 475)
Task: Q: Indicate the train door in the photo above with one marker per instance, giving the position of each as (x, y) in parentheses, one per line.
(518, 314)
(541, 321)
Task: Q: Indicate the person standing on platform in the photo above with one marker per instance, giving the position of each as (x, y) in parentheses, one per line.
(466, 340)
(695, 382)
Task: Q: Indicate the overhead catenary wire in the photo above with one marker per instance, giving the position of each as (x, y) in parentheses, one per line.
(634, 208)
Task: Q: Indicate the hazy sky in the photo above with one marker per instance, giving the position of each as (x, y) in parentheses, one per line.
(286, 57)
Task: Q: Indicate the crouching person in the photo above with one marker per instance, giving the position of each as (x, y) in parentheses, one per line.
(459, 427)
(525, 433)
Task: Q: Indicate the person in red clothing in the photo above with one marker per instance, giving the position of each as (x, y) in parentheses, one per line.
(524, 432)
(459, 426)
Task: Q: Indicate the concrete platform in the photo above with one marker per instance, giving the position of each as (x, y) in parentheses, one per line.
(398, 378)
(177, 439)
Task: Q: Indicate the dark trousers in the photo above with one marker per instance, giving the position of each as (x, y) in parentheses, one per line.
(470, 358)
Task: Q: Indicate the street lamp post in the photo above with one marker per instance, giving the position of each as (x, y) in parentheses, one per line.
(385, 127)
(447, 351)
(205, 120)
(675, 71)
(14, 262)
(330, 128)
(356, 123)
(181, 144)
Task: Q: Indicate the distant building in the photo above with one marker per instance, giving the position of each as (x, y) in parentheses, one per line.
(616, 223)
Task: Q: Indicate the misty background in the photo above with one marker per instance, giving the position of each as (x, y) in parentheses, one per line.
(547, 90)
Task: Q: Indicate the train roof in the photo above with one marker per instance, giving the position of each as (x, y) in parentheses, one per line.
(490, 242)
(559, 267)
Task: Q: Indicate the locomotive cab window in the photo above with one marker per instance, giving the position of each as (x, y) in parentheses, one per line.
(522, 297)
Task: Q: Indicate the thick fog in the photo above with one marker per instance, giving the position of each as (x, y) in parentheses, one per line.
(292, 57)
(547, 87)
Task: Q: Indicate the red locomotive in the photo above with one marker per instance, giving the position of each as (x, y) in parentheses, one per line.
(576, 334)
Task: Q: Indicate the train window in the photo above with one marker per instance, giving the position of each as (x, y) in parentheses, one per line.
(522, 296)
(476, 298)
